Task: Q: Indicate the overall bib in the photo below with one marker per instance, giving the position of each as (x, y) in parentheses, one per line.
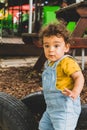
(62, 112)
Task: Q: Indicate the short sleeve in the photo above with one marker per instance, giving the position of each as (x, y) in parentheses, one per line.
(70, 66)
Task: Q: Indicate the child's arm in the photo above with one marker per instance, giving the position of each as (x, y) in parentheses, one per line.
(78, 85)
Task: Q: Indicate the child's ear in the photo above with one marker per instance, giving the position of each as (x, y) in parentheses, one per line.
(67, 47)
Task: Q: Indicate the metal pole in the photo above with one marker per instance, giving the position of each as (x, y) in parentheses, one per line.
(30, 16)
(83, 58)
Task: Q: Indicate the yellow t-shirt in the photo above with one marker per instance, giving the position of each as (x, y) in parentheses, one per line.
(64, 70)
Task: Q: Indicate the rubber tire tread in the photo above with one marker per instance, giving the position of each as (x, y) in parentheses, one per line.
(14, 115)
(35, 101)
(82, 122)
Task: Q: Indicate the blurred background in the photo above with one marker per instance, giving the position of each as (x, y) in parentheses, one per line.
(22, 16)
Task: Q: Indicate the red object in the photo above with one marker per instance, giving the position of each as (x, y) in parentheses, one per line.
(15, 11)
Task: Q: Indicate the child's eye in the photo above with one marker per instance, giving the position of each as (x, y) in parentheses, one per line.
(56, 46)
(46, 46)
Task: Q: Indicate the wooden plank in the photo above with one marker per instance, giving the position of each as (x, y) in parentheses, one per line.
(70, 13)
(40, 62)
(19, 50)
(11, 40)
(79, 42)
(80, 27)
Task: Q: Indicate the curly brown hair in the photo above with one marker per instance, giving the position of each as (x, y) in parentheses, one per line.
(55, 29)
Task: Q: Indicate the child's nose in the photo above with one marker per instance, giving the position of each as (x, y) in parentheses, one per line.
(51, 48)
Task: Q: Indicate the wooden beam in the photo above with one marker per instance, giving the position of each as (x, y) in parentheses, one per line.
(79, 42)
(19, 50)
(80, 27)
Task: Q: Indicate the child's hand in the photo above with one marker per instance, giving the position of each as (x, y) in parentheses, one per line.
(70, 93)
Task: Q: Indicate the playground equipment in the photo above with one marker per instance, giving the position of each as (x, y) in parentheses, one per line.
(14, 45)
(78, 35)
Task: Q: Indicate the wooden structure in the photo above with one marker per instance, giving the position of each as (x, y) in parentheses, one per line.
(15, 46)
(75, 12)
(78, 13)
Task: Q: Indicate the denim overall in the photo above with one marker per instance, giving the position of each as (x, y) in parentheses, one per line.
(62, 112)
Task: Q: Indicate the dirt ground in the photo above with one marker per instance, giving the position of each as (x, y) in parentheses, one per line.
(21, 81)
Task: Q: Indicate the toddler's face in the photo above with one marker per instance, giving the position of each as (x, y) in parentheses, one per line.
(54, 47)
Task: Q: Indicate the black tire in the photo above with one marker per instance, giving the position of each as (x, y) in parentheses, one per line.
(36, 103)
(14, 115)
(82, 122)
